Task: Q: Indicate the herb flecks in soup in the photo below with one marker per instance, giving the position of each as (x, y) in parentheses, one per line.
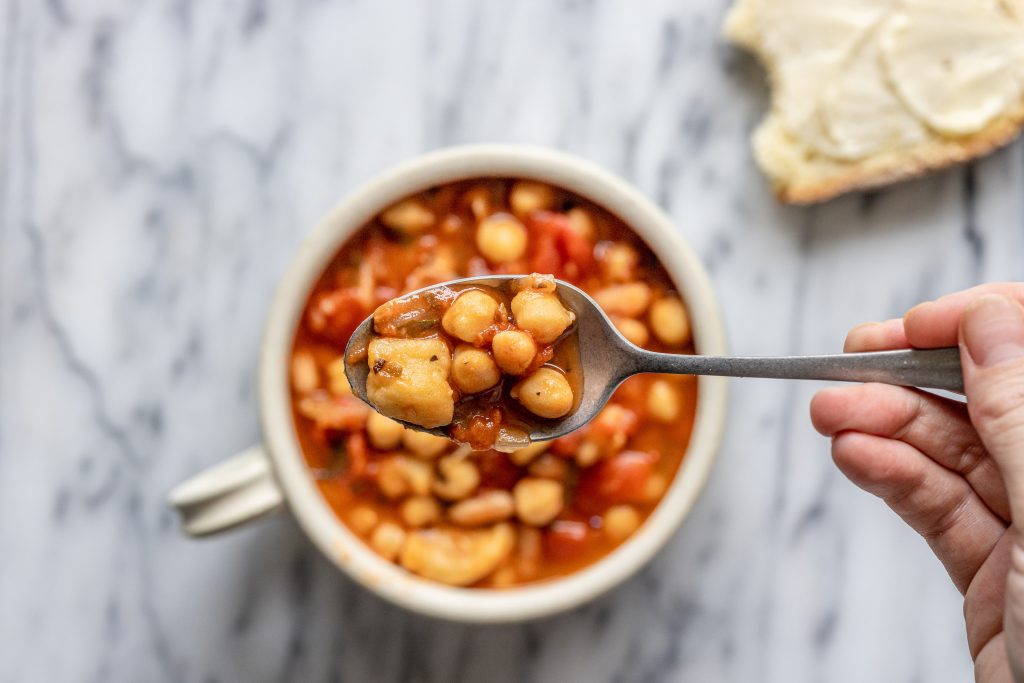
(487, 518)
(488, 363)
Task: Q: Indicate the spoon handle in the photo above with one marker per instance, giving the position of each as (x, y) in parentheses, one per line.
(926, 368)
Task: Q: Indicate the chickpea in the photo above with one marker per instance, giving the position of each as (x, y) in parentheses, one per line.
(423, 444)
(669, 321)
(655, 487)
(617, 261)
(541, 314)
(581, 222)
(504, 577)
(384, 432)
(538, 501)
(662, 401)
(545, 393)
(473, 369)
(501, 238)
(527, 196)
(337, 382)
(409, 217)
(485, 508)
(620, 521)
(419, 511)
(469, 315)
(524, 456)
(399, 476)
(305, 374)
(548, 466)
(513, 351)
(633, 330)
(387, 540)
(627, 300)
(362, 519)
(458, 478)
(588, 453)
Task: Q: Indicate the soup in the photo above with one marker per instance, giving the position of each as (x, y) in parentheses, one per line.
(487, 518)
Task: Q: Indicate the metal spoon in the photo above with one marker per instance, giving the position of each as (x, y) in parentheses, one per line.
(607, 359)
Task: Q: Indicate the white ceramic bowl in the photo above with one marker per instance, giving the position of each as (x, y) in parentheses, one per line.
(264, 478)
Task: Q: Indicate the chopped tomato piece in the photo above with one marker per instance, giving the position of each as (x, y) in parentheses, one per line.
(567, 539)
(497, 471)
(615, 419)
(577, 250)
(356, 455)
(543, 356)
(340, 413)
(382, 294)
(619, 479)
(545, 257)
(559, 248)
(633, 391)
(480, 430)
(334, 315)
(567, 445)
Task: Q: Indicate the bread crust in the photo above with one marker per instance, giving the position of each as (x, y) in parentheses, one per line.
(826, 178)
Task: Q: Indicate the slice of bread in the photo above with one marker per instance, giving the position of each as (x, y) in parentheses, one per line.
(870, 92)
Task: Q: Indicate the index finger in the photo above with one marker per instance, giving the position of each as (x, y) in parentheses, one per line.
(934, 324)
(883, 336)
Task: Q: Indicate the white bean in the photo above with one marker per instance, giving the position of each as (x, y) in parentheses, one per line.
(670, 322)
(662, 401)
(305, 374)
(484, 508)
(409, 216)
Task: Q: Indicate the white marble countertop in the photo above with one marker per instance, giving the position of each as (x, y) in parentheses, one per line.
(159, 163)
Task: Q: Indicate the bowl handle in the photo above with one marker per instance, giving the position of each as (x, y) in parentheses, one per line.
(226, 495)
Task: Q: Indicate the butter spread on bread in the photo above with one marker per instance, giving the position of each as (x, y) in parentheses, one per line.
(868, 92)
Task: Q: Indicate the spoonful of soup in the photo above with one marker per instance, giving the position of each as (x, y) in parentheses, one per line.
(500, 361)
(485, 361)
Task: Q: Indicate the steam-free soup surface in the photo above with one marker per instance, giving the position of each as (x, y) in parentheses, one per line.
(487, 518)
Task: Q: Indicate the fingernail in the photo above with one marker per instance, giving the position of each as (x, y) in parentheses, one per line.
(992, 329)
(852, 343)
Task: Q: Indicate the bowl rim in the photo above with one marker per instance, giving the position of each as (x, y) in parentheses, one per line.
(311, 509)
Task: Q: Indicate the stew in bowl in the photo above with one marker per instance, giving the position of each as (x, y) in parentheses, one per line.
(465, 514)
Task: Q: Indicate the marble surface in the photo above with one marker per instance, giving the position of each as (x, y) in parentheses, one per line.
(159, 163)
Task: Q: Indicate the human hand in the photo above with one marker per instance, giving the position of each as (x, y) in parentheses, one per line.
(953, 472)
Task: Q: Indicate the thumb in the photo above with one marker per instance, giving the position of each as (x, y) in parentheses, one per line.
(992, 353)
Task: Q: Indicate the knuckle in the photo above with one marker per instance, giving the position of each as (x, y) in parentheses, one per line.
(998, 405)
